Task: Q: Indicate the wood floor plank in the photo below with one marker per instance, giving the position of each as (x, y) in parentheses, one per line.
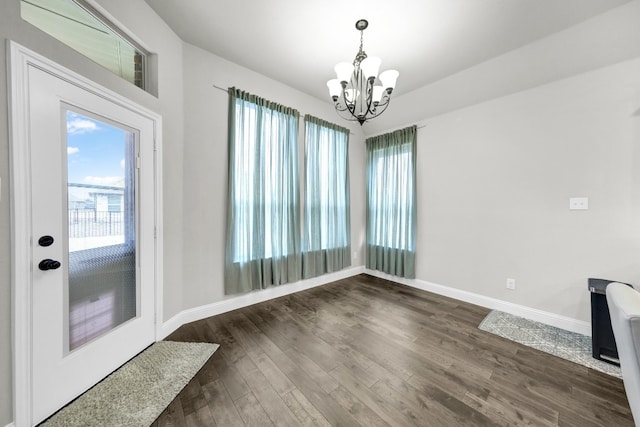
(547, 390)
(331, 410)
(307, 414)
(419, 410)
(221, 405)
(382, 354)
(229, 375)
(315, 372)
(251, 412)
(459, 385)
(363, 414)
(378, 405)
(340, 338)
(266, 395)
(278, 380)
(366, 351)
(504, 415)
(297, 335)
(201, 417)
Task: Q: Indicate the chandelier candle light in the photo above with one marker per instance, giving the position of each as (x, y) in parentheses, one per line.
(354, 93)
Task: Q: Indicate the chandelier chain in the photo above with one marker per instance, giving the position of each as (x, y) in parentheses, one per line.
(361, 56)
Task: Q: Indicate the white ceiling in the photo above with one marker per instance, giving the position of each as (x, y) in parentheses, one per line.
(297, 42)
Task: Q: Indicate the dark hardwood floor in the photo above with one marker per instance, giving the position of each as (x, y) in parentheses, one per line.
(365, 351)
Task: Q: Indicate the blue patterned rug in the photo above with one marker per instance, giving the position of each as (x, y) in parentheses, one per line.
(564, 344)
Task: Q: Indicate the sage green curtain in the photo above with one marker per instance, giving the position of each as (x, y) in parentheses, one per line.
(391, 202)
(326, 240)
(263, 224)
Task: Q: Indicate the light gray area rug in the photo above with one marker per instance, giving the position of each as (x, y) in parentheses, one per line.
(564, 344)
(138, 391)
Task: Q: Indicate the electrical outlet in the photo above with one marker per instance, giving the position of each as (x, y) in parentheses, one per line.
(511, 284)
(579, 203)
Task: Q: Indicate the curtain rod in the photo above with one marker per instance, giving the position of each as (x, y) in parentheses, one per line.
(226, 90)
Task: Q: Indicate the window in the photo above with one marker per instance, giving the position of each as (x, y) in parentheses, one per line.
(82, 28)
(391, 206)
(326, 231)
(387, 201)
(101, 170)
(100, 190)
(114, 202)
(263, 225)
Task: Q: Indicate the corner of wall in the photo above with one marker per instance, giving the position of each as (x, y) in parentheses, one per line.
(244, 300)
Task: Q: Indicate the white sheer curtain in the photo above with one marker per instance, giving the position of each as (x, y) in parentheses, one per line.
(326, 239)
(263, 225)
(391, 202)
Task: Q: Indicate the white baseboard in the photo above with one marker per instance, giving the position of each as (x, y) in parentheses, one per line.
(234, 303)
(11, 424)
(562, 322)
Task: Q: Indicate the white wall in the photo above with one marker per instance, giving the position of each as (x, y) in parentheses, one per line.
(495, 180)
(205, 172)
(505, 145)
(156, 36)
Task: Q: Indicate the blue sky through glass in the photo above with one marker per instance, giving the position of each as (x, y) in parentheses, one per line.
(95, 151)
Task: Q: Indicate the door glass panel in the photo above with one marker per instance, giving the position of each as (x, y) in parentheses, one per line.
(102, 285)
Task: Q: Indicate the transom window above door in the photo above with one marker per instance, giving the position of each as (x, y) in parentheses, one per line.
(81, 27)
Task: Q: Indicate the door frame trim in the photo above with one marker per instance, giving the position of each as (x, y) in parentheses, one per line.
(19, 60)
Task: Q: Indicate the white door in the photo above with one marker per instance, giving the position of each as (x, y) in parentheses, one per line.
(92, 220)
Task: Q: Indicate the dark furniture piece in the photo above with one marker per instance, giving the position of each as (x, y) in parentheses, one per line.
(604, 344)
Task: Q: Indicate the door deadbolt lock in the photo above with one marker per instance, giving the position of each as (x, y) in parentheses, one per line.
(48, 264)
(45, 241)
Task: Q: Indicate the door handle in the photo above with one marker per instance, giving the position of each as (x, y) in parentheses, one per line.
(48, 264)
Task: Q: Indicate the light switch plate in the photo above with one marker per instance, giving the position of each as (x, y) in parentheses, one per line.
(579, 203)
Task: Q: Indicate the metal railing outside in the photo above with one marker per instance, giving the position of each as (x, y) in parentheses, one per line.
(92, 223)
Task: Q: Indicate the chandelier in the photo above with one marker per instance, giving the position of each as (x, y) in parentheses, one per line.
(354, 92)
